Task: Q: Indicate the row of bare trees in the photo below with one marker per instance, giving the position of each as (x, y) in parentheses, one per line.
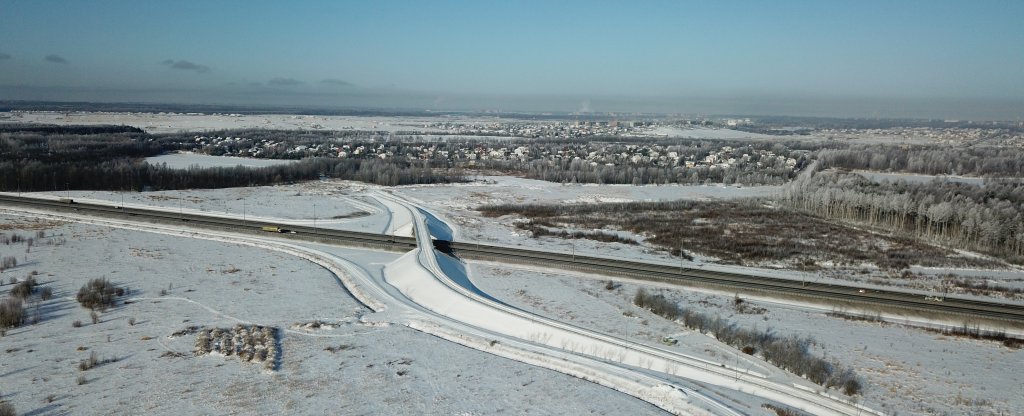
(931, 160)
(987, 218)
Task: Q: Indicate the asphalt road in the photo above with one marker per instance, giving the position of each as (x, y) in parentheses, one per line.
(929, 305)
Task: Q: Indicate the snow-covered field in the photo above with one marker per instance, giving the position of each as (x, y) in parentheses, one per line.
(332, 204)
(374, 369)
(173, 123)
(703, 133)
(351, 206)
(188, 160)
(383, 368)
(917, 178)
(458, 202)
(908, 371)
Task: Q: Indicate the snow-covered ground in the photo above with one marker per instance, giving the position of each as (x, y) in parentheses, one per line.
(187, 160)
(579, 302)
(908, 371)
(457, 204)
(917, 178)
(330, 204)
(703, 133)
(430, 281)
(374, 369)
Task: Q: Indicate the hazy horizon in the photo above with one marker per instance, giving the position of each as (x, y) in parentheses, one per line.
(948, 59)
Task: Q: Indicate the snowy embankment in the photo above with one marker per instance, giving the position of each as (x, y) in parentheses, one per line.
(400, 222)
(420, 276)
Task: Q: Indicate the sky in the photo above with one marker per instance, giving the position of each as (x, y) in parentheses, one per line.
(937, 59)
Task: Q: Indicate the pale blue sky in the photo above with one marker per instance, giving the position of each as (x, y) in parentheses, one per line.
(884, 58)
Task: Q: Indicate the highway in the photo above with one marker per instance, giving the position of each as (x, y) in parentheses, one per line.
(958, 308)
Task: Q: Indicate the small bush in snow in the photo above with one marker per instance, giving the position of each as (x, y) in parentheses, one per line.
(88, 363)
(24, 289)
(782, 411)
(46, 293)
(8, 262)
(12, 313)
(7, 409)
(657, 304)
(99, 294)
(93, 361)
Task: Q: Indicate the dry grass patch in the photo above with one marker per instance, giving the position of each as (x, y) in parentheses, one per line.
(747, 232)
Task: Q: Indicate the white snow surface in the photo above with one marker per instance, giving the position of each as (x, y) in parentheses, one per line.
(907, 371)
(327, 204)
(917, 178)
(185, 160)
(703, 133)
(419, 276)
(441, 296)
(385, 369)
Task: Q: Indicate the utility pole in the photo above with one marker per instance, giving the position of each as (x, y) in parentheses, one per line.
(680, 256)
(181, 211)
(314, 214)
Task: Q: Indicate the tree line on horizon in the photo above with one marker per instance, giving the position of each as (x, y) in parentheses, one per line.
(96, 158)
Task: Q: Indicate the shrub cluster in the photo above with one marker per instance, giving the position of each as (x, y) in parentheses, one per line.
(24, 289)
(93, 361)
(12, 239)
(782, 411)
(789, 353)
(99, 294)
(247, 342)
(657, 304)
(12, 313)
(8, 262)
(538, 230)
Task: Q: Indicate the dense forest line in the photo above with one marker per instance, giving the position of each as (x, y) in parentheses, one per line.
(989, 218)
(42, 158)
(38, 157)
(930, 160)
